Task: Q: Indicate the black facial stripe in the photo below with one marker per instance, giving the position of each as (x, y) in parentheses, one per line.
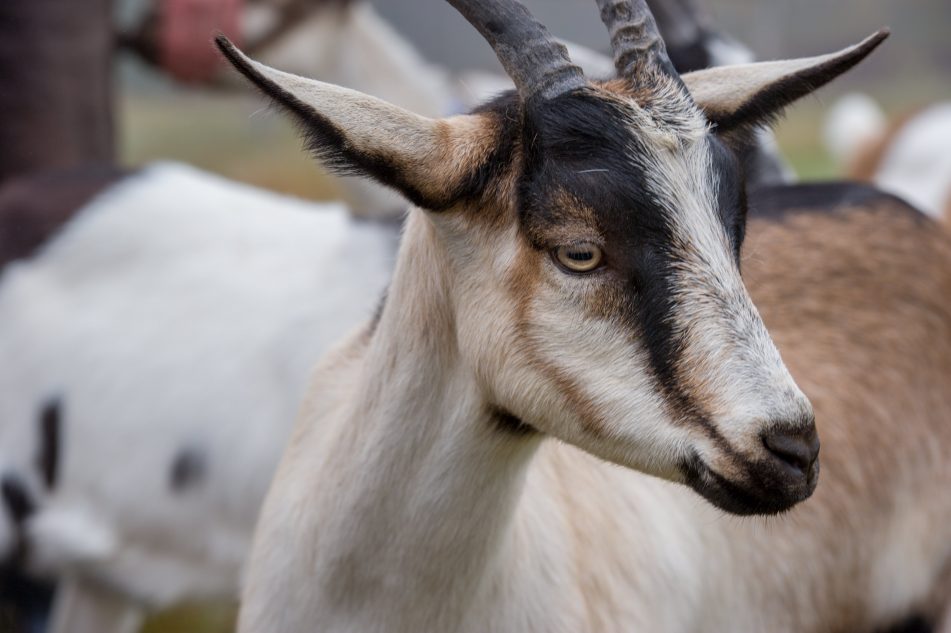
(653, 310)
(584, 147)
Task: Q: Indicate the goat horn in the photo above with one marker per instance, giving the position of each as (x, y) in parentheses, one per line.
(635, 39)
(532, 58)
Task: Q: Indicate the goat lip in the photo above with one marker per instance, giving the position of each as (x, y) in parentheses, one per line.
(761, 493)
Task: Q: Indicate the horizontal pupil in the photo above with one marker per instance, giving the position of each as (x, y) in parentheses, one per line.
(582, 256)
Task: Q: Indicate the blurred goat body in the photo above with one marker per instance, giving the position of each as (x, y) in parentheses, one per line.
(216, 298)
(909, 156)
(571, 270)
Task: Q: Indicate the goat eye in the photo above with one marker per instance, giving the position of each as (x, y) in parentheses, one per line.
(579, 258)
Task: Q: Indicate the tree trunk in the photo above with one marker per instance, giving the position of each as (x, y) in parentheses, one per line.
(55, 84)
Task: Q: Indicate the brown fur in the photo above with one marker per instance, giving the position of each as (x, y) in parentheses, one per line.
(858, 305)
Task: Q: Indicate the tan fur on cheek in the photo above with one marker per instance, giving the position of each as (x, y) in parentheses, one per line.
(525, 280)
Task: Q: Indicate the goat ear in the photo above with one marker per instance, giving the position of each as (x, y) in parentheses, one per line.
(750, 95)
(433, 162)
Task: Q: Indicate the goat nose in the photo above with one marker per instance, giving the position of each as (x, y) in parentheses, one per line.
(796, 448)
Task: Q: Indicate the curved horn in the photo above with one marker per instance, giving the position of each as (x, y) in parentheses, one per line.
(532, 58)
(634, 37)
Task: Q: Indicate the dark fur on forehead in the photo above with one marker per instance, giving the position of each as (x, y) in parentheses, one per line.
(585, 164)
(582, 147)
(579, 145)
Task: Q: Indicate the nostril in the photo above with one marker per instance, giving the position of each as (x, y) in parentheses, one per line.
(797, 448)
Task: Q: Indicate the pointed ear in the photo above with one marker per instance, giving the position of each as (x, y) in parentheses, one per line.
(739, 98)
(433, 162)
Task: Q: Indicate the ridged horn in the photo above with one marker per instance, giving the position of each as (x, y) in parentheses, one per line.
(635, 39)
(532, 58)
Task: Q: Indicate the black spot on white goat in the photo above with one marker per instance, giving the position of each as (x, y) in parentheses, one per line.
(50, 434)
(188, 470)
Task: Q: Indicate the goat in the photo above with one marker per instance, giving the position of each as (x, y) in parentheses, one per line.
(567, 299)
(65, 515)
(909, 156)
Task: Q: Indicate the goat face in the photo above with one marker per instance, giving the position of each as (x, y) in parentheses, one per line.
(613, 314)
(592, 233)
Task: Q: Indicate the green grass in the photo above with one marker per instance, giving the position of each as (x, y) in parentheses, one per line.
(193, 619)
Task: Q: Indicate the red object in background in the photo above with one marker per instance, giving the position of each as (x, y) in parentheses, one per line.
(185, 32)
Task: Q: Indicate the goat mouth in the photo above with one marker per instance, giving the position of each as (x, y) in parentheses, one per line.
(762, 491)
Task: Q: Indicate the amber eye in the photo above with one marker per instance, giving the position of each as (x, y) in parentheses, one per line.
(579, 258)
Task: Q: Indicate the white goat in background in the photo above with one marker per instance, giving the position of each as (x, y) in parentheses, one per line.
(909, 156)
(162, 328)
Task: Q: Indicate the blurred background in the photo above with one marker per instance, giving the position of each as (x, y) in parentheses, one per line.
(172, 101)
(161, 119)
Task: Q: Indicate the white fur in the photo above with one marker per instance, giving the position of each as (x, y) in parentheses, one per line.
(176, 311)
(853, 122)
(917, 164)
(725, 51)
